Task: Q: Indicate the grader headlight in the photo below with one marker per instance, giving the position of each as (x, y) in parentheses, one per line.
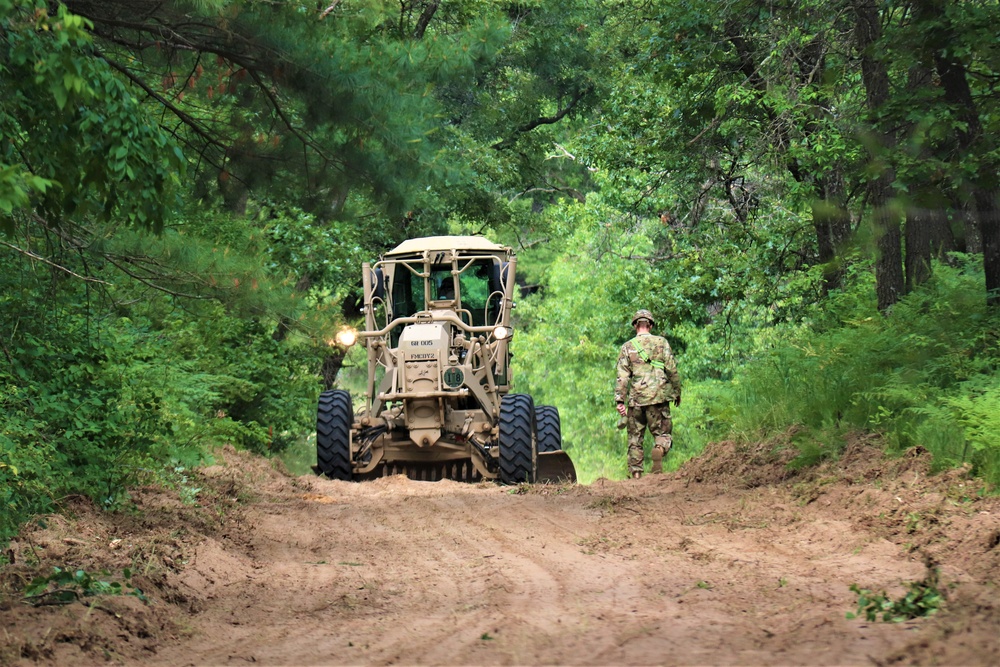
(502, 333)
(346, 337)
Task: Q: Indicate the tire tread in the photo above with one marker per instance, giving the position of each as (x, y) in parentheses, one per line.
(334, 417)
(549, 428)
(517, 439)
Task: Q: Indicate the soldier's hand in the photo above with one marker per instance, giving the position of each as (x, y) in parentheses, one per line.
(621, 408)
(677, 402)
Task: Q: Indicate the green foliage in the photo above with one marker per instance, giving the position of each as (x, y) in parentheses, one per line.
(236, 383)
(569, 336)
(129, 354)
(64, 586)
(185, 222)
(75, 422)
(564, 356)
(922, 599)
(120, 164)
(108, 385)
(814, 448)
(924, 376)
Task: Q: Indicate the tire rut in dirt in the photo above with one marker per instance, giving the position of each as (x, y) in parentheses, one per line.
(548, 428)
(333, 434)
(517, 439)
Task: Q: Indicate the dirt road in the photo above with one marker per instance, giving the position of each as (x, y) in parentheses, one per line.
(723, 563)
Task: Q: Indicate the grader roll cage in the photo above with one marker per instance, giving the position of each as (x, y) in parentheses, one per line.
(438, 401)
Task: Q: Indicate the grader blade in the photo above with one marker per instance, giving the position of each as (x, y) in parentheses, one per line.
(555, 468)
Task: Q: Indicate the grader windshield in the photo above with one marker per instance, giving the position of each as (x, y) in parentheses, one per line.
(475, 293)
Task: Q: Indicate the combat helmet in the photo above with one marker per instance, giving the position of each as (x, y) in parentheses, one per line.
(643, 314)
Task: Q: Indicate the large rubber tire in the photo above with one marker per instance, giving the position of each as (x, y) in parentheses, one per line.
(333, 434)
(548, 428)
(517, 439)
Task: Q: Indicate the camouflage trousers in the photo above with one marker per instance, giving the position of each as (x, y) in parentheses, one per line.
(657, 419)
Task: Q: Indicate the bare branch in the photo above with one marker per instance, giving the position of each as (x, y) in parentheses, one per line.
(329, 9)
(572, 192)
(147, 283)
(543, 120)
(32, 255)
(563, 153)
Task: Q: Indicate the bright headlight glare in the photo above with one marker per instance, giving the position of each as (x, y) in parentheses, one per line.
(501, 333)
(347, 337)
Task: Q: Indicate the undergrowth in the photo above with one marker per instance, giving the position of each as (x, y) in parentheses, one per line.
(923, 375)
(103, 390)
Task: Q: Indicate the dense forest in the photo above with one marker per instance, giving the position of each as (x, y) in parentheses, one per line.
(805, 193)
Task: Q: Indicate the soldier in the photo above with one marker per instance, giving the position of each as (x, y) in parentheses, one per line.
(647, 382)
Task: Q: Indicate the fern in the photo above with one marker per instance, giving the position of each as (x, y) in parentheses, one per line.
(924, 375)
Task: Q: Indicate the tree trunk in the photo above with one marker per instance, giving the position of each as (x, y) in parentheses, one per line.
(918, 247)
(970, 227)
(889, 283)
(425, 18)
(235, 194)
(832, 223)
(984, 184)
(989, 226)
(928, 235)
(920, 218)
(889, 279)
(973, 144)
(831, 219)
(331, 367)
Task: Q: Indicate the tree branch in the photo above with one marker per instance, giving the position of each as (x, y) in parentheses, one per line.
(179, 113)
(329, 9)
(32, 255)
(306, 141)
(425, 17)
(543, 120)
(572, 192)
(147, 283)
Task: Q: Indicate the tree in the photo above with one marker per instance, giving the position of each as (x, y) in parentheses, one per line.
(951, 54)
(875, 77)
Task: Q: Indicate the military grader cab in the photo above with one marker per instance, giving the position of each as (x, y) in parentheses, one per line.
(438, 402)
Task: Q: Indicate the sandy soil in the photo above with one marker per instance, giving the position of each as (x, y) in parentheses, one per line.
(733, 560)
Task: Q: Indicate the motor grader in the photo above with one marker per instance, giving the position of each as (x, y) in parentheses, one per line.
(438, 401)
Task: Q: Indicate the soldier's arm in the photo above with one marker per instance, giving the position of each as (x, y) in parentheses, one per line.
(670, 367)
(624, 368)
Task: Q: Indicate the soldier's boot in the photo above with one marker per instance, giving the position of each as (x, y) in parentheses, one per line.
(657, 456)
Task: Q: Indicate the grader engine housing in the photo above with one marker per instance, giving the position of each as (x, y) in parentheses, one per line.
(422, 349)
(438, 401)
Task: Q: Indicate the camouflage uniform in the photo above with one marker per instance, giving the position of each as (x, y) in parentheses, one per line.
(647, 390)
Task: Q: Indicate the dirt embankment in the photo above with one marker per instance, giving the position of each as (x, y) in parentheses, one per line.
(733, 560)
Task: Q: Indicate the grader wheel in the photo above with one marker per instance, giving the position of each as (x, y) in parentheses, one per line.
(517, 439)
(549, 431)
(333, 434)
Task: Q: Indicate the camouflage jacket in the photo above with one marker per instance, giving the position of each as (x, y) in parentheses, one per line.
(649, 377)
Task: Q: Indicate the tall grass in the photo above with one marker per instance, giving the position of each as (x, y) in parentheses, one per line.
(923, 375)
